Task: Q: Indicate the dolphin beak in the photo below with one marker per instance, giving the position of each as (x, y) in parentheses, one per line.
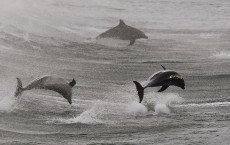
(146, 37)
(183, 87)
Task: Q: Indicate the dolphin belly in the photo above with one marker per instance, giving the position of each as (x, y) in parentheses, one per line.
(64, 90)
(56, 84)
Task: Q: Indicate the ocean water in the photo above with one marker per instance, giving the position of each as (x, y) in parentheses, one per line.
(57, 37)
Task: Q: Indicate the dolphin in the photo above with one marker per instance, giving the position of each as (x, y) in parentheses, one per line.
(164, 78)
(123, 32)
(56, 84)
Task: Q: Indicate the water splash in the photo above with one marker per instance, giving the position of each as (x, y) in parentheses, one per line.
(162, 101)
(90, 116)
(162, 109)
(8, 102)
(104, 113)
(87, 117)
(120, 104)
(136, 108)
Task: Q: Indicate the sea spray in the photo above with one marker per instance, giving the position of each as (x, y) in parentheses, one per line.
(162, 101)
(162, 109)
(8, 102)
(136, 108)
(89, 116)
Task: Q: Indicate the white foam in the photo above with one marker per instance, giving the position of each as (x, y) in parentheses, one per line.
(8, 101)
(121, 103)
(221, 55)
(100, 113)
(136, 108)
(90, 116)
(87, 117)
(162, 109)
(162, 101)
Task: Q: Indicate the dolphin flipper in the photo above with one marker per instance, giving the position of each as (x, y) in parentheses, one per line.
(132, 42)
(164, 87)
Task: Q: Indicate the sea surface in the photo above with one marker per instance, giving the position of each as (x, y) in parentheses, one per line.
(57, 37)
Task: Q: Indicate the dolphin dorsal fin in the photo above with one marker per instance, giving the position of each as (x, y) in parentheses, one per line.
(163, 67)
(121, 22)
(72, 83)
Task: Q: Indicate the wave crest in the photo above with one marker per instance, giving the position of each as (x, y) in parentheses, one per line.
(221, 55)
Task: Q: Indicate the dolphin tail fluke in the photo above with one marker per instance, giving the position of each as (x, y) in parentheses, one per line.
(140, 90)
(19, 88)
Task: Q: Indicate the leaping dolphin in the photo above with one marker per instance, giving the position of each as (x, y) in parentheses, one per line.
(164, 78)
(56, 84)
(123, 32)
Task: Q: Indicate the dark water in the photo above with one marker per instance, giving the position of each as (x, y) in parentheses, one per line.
(57, 38)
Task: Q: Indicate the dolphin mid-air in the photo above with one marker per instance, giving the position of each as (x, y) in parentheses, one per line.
(56, 84)
(164, 78)
(123, 32)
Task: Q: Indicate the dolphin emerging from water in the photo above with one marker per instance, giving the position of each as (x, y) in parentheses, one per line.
(163, 78)
(56, 84)
(123, 32)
